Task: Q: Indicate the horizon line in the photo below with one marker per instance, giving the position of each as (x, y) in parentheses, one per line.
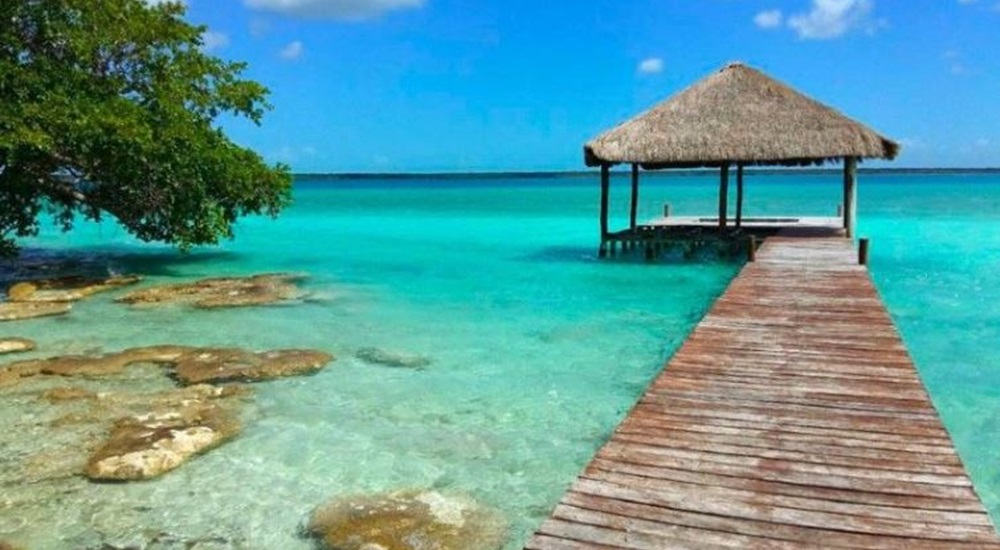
(565, 173)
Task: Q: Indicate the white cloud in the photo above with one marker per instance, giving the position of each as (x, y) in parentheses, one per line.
(770, 19)
(832, 18)
(292, 51)
(212, 40)
(258, 27)
(336, 9)
(653, 65)
(160, 2)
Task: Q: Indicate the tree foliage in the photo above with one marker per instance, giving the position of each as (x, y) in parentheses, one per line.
(110, 107)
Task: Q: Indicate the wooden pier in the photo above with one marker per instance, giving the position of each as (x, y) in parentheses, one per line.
(792, 417)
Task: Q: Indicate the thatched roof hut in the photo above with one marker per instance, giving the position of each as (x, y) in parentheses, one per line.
(737, 116)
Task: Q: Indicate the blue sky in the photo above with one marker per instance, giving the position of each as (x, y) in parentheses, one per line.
(484, 85)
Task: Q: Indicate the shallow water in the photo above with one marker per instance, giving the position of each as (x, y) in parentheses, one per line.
(537, 349)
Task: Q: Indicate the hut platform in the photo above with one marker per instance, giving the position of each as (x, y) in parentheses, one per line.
(791, 417)
(662, 234)
(770, 222)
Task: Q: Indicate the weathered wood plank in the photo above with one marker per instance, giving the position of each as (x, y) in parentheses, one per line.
(777, 428)
(684, 436)
(947, 499)
(778, 509)
(791, 417)
(917, 450)
(792, 451)
(765, 531)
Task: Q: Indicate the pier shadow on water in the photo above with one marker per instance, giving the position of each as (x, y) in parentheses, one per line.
(675, 255)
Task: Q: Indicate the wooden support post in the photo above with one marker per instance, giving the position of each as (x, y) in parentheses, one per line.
(635, 196)
(723, 197)
(666, 210)
(850, 195)
(739, 196)
(752, 249)
(863, 252)
(605, 184)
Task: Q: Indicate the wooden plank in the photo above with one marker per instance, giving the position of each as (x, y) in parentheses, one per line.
(548, 542)
(945, 500)
(822, 470)
(764, 531)
(833, 446)
(790, 450)
(767, 437)
(776, 428)
(791, 417)
(753, 506)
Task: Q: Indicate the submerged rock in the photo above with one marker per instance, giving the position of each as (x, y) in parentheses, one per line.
(222, 292)
(66, 289)
(6, 546)
(191, 365)
(138, 451)
(56, 395)
(108, 430)
(98, 365)
(15, 345)
(229, 365)
(17, 311)
(181, 424)
(377, 356)
(150, 540)
(412, 520)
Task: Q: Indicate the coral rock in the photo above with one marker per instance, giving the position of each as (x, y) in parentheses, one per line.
(15, 345)
(414, 520)
(67, 394)
(182, 425)
(191, 365)
(65, 289)
(229, 365)
(222, 292)
(99, 365)
(16, 311)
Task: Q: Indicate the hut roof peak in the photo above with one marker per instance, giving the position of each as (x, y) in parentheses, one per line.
(737, 115)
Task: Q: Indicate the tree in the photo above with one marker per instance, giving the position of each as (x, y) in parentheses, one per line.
(111, 107)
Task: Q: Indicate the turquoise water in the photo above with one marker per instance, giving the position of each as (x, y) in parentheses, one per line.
(538, 349)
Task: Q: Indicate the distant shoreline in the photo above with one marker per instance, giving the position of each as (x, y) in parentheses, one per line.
(590, 173)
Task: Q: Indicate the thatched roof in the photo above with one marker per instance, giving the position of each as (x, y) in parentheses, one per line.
(738, 114)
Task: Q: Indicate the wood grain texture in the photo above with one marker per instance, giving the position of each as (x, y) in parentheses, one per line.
(791, 417)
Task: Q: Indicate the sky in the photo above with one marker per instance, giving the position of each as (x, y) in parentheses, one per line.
(488, 85)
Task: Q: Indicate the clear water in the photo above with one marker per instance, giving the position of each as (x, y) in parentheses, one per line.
(538, 350)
